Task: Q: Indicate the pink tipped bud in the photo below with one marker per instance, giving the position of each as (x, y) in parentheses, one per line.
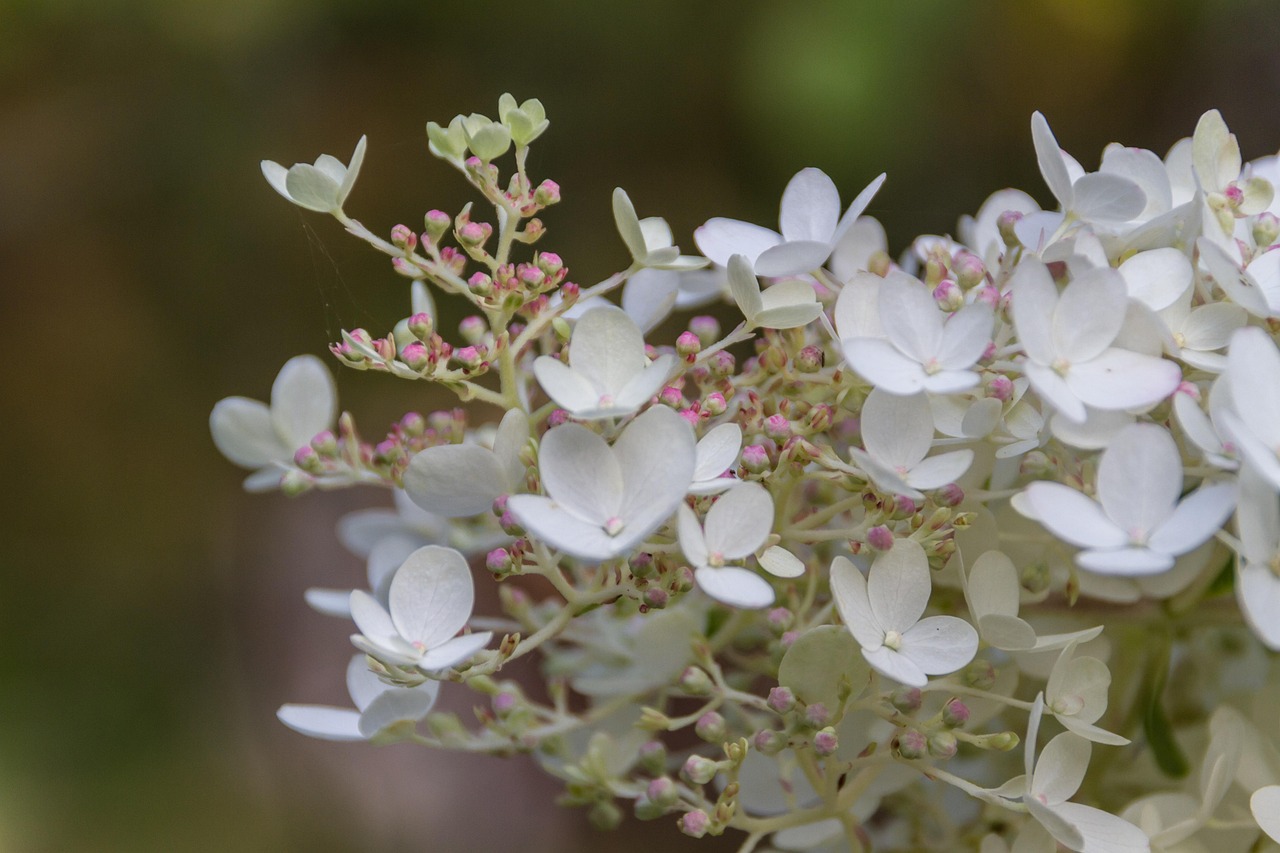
(653, 757)
(1189, 388)
(435, 223)
(549, 262)
(820, 418)
(308, 460)
(530, 276)
(1000, 387)
(416, 356)
(509, 525)
(968, 269)
(780, 619)
(474, 233)
(989, 296)
(810, 359)
(979, 674)
(421, 326)
(769, 742)
(912, 744)
(955, 714)
(711, 727)
(826, 742)
(715, 404)
(722, 364)
(688, 345)
(1005, 224)
(557, 417)
(699, 770)
(907, 699)
(480, 284)
(755, 459)
(1234, 195)
(547, 193)
(948, 295)
(504, 703)
(707, 329)
(782, 699)
(695, 823)
(325, 443)
(469, 357)
(788, 638)
(880, 538)
(402, 237)
(569, 292)
(500, 506)
(950, 495)
(656, 599)
(943, 745)
(1266, 228)
(413, 424)
(498, 561)
(672, 397)
(904, 507)
(695, 681)
(663, 792)
(817, 715)
(777, 427)
(473, 329)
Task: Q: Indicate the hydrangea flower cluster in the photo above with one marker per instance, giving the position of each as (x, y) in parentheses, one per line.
(815, 579)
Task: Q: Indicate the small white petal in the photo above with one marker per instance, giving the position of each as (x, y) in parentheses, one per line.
(720, 239)
(796, 258)
(940, 644)
(242, 432)
(1197, 517)
(397, 705)
(330, 602)
(320, 721)
(655, 455)
(606, 348)
(735, 586)
(581, 473)
(810, 207)
(1055, 391)
(898, 585)
(884, 366)
(561, 529)
(454, 651)
(1120, 379)
(692, 541)
(1033, 300)
(1089, 315)
(1103, 832)
(628, 223)
(1265, 806)
(432, 595)
(1127, 562)
(1140, 478)
(1258, 594)
(1049, 157)
(938, 471)
(1073, 517)
(745, 287)
(1060, 768)
(740, 521)
(781, 563)
(897, 430)
(965, 337)
(455, 480)
(312, 188)
(895, 665)
(849, 589)
(1102, 197)
(717, 451)
(567, 387)
(1157, 278)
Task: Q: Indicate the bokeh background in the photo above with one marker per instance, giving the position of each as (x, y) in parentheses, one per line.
(151, 617)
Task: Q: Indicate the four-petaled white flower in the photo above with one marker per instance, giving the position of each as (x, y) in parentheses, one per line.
(898, 433)
(601, 501)
(785, 305)
(322, 186)
(429, 602)
(379, 707)
(735, 528)
(1049, 783)
(811, 226)
(304, 402)
(607, 375)
(921, 352)
(1137, 526)
(465, 479)
(650, 240)
(1068, 342)
(883, 612)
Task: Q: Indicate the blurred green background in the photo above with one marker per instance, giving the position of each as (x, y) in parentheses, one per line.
(151, 613)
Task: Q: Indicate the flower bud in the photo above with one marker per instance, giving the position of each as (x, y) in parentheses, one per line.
(955, 714)
(722, 364)
(1035, 577)
(663, 792)
(968, 269)
(1005, 225)
(715, 404)
(656, 599)
(547, 193)
(710, 727)
(979, 674)
(769, 742)
(777, 428)
(879, 263)
(903, 507)
(912, 744)
(653, 757)
(530, 276)
(810, 359)
(1000, 387)
(950, 495)
(436, 223)
(826, 742)
(780, 619)
(695, 681)
(326, 443)
(782, 699)
(480, 284)
(820, 418)
(987, 295)
(773, 359)
(503, 703)
(817, 715)
(694, 823)
(880, 538)
(999, 741)
(943, 745)
(672, 397)
(907, 699)
(688, 345)
(707, 329)
(498, 561)
(948, 295)
(421, 326)
(473, 329)
(647, 809)
(416, 356)
(1266, 227)
(402, 237)
(755, 459)
(474, 234)
(469, 357)
(605, 815)
(699, 770)
(308, 460)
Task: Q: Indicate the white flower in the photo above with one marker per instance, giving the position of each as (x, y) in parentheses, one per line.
(1076, 693)
(992, 591)
(1137, 526)
(716, 453)
(853, 251)
(649, 240)
(1257, 580)
(1205, 431)
(922, 353)
(465, 479)
(736, 526)
(785, 305)
(429, 602)
(601, 501)
(304, 402)
(607, 375)
(1253, 417)
(883, 612)
(322, 187)
(1255, 288)
(379, 706)
(1068, 341)
(811, 226)
(898, 433)
(1049, 783)
(1216, 162)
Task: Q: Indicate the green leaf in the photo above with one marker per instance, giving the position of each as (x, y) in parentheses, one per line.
(821, 664)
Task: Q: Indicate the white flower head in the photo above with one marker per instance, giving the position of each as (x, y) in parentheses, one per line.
(601, 501)
(465, 479)
(429, 602)
(785, 305)
(1068, 342)
(1138, 525)
(735, 528)
(322, 186)
(898, 434)
(810, 222)
(650, 240)
(924, 349)
(1052, 780)
(607, 375)
(378, 707)
(883, 612)
(304, 402)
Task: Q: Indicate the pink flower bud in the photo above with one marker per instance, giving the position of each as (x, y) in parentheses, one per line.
(1005, 224)
(530, 276)
(663, 792)
(943, 745)
(435, 223)
(722, 364)
(777, 427)
(780, 619)
(1000, 387)
(781, 699)
(710, 727)
(549, 262)
(402, 237)
(955, 714)
(769, 742)
(688, 345)
(948, 295)
(473, 329)
(695, 823)
(672, 397)
(907, 699)
(547, 193)
(715, 404)
(413, 424)
(421, 326)
(325, 443)
(904, 507)
(504, 703)
(416, 356)
(498, 561)
(474, 233)
(787, 638)
(826, 742)
(968, 269)
(656, 599)
(695, 681)
(912, 744)
(755, 459)
(653, 757)
(480, 284)
(810, 359)
(469, 357)
(880, 538)
(817, 715)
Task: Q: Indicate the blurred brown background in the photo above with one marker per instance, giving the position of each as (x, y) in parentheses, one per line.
(151, 613)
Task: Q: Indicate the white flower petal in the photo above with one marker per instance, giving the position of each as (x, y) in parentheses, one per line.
(561, 529)
(810, 207)
(692, 540)
(1157, 278)
(649, 296)
(1089, 315)
(795, 258)
(896, 666)
(897, 430)
(857, 314)
(645, 384)
(454, 651)
(1210, 327)
(1055, 391)
(898, 585)
(849, 589)
(717, 451)
(965, 337)
(1103, 832)
(1120, 379)
(329, 602)
(857, 207)
(432, 596)
(1196, 518)
(1235, 282)
(1033, 300)
(993, 586)
(304, 400)
(374, 622)
(568, 388)
(312, 188)
(910, 318)
(607, 348)
(735, 586)
(655, 454)
(1265, 806)
(1258, 594)
(940, 644)
(938, 471)
(321, 721)
(1060, 768)
(781, 563)
(1102, 197)
(242, 431)
(1073, 517)
(581, 473)
(1049, 157)
(628, 223)
(1126, 562)
(740, 521)
(362, 684)
(455, 480)
(397, 705)
(385, 559)
(881, 364)
(745, 287)
(720, 239)
(1140, 478)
